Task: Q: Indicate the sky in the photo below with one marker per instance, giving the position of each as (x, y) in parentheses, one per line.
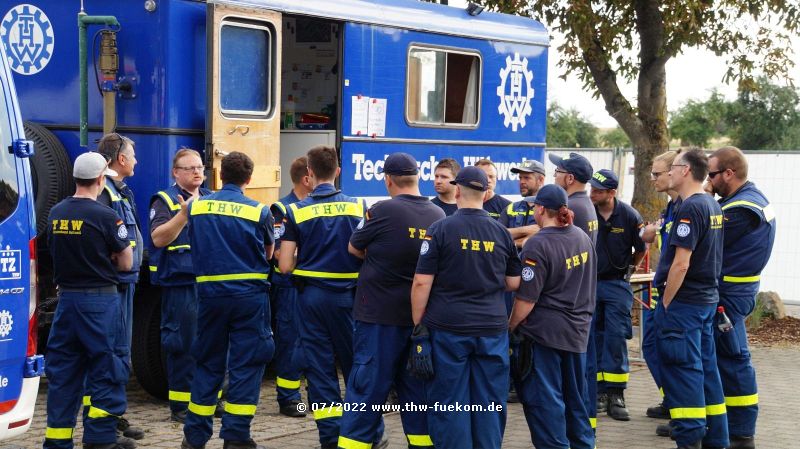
(691, 75)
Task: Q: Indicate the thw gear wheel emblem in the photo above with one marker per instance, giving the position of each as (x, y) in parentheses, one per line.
(27, 36)
(514, 104)
(6, 323)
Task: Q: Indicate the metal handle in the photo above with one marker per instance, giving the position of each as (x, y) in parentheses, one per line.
(243, 130)
(220, 153)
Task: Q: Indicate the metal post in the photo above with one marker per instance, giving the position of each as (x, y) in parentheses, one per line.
(83, 23)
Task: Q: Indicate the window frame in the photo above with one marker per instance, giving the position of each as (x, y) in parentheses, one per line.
(7, 136)
(243, 22)
(445, 49)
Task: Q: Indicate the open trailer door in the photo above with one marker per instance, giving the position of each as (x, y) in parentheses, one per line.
(243, 91)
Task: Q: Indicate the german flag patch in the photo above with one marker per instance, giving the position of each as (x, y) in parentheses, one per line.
(685, 220)
(531, 262)
(119, 223)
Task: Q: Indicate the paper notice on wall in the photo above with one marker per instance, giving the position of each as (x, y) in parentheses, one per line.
(360, 115)
(376, 127)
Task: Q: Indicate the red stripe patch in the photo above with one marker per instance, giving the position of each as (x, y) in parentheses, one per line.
(530, 262)
(685, 220)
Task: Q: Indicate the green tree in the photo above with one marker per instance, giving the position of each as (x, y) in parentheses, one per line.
(696, 122)
(766, 117)
(569, 129)
(600, 34)
(616, 138)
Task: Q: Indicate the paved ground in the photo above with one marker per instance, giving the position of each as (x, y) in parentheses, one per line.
(778, 371)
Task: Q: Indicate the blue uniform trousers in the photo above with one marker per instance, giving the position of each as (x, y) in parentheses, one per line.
(553, 399)
(326, 334)
(692, 387)
(612, 323)
(737, 373)
(127, 291)
(86, 343)
(379, 362)
(178, 330)
(288, 357)
(468, 371)
(231, 331)
(591, 379)
(649, 351)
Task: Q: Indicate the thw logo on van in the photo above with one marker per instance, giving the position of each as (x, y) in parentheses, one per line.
(27, 35)
(515, 92)
(10, 263)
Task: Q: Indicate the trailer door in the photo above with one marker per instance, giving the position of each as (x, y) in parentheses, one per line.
(244, 86)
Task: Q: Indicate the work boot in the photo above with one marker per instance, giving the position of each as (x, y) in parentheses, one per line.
(616, 407)
(178, 417)
(658, 411)
(127, 431)
(602, 402)
(329, 446)
(383, 443)
(185, 445)
(125, 443)
(105, 446)
(513, 397)
(249, 444)
(664, 430)
(220, 410)
(291, 410)
(742, 442)
(695, 445)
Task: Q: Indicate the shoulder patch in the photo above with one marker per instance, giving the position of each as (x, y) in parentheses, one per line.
(122, 231)
(424, 248)
(527, 274)
(683, 229)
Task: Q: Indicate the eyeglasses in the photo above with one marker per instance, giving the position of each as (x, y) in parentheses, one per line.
(712, 174)
(193, 168)
(561, 171)
(655, 174)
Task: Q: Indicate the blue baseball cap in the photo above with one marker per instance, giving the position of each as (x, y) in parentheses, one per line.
(399, 164)
(472, 177)
(579, 166)
(604, 179)
(551, 196)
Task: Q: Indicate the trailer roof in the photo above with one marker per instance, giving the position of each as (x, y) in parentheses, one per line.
(412, 15)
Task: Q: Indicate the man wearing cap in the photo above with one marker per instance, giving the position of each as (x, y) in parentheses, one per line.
(493, 203)
(619, 250)
(389, 240)
(90, 245)
(552, 316)
(518, 216)
(466, 263)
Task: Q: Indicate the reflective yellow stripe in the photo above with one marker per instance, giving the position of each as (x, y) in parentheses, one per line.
(593, 422)
(114, 198)
(612, 377)
(324, 274)
(687, 413)
(180, 396)
(177, 247)
(240, 409)
(172, 206)
(661, 390)
(202, 410)
(327, 412)
(58, 433)
(219, 394)
(226, 208)
(715, 409)
(741, 279)
(741, 401)
(419, 440)
(768, 211)
(87, 401)
(288, 384)
(347, 443)
(280, 206)
(97, 413)
(133, 243)
(511, 212)
(335, 209)
(599, 377)
(153, 268)
(232, 277)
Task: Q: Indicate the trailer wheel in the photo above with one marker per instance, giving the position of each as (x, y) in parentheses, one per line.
(148, 361)
(51, 172)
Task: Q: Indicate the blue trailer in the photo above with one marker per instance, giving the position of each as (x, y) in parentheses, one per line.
(271, 78)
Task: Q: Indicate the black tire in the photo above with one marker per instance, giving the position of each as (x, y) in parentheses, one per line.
(51, 172)
(148, 361)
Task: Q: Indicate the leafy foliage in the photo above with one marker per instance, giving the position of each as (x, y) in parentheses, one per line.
(766, 117)
(569, 129)
(696, 122)
(616, 138)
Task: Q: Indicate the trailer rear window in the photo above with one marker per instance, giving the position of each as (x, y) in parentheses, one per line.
(443, 87)
(9, 191)
(246, 68)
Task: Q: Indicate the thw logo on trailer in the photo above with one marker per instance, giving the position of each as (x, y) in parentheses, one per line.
(515, 92)
(10, 264)
(27, 35)
(6, 323)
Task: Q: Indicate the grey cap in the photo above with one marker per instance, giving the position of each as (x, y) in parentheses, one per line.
(90, 166)
(529, 166)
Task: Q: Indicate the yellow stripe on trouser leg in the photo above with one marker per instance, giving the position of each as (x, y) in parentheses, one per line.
(328, 412)
(87, 401)
(419, 440)
(687, 413)
(715, 409)
(613, 377)
(240, 409)
(347, 443)
(741, 401)
(288, 384)
(58, 433)
(180, 396)
(599, 377)
(98, 413)
(661, 390)
(593, 422)
(202, 410)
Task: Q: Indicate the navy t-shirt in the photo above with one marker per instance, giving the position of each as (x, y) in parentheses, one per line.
(392, 233)
(82, 235)
(559, 274)
(697, 226)
(470, 254)
(449, 209)
(585, 214)
(616, 238)
(496, 206)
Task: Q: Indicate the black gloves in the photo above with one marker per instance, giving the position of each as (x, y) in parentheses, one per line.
(420, 364)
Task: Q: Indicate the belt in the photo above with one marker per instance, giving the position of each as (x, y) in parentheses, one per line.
(108, 289)
(611, 277)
